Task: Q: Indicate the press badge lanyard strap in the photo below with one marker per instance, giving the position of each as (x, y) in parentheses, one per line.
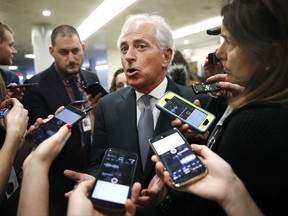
(213, 137)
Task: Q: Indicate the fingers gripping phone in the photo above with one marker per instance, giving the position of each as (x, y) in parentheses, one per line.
(69, 114)
(205, 87)
(22, 85)
(197, 118)
(114, 180)
(177, 157)
(94, 89)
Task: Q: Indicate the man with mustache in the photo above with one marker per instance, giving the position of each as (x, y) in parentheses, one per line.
(57, 88)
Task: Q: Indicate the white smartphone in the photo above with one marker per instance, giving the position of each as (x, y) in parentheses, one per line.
(177, 157)
(69, 114)
(114, 180)
(197, 118)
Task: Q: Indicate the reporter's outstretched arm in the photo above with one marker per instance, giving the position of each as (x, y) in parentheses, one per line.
(221, 184)
(15, 124)
(34, 194)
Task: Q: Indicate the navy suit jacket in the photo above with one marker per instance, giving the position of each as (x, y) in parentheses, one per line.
(43, 100)
(116, 126)
(9, 77)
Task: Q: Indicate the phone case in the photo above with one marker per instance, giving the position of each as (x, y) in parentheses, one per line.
(177, 157)
(197, 118)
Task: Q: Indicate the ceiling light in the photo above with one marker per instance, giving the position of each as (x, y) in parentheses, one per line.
(198, 27)
(106, 11)
(46, 13)
(101, 67)
(186, 42)
(13, 67)
(29, 56)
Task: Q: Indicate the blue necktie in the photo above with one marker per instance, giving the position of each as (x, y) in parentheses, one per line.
(145, 129)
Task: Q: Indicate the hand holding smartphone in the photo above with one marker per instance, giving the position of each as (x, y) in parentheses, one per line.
(69, 114)
(197, 118)
(114, 180)
(94, 89)
(177, 157)
(205, 87)
(22, 85)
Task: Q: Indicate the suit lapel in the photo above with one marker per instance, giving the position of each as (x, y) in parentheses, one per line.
(51, 80)
(127, 113)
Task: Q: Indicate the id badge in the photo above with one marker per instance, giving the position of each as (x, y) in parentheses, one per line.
(86, 124)
(12, 184)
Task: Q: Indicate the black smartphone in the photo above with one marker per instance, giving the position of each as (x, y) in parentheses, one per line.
(114, 180)
(197, 118)
(94, 89)
(214, 31)
(212, 58)
(69, 114)
(204, 87)
(177, 157)
(22, 85)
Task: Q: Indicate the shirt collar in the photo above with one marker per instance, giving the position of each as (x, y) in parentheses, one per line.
(157, 92)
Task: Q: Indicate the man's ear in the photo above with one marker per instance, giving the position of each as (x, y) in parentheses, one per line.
(167, 56)
(83, 47)
(51, 51)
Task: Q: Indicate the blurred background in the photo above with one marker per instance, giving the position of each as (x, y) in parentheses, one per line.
(189, 20)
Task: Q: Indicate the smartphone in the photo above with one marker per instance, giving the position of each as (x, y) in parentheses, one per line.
(69, 114)
(204, 87)
(177, 157)
(214, 31)
(94, 89)
(114, 180)
(22, 85)
(197, 118)
(212, 58)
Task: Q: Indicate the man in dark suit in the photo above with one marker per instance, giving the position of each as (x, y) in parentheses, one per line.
(147, 47)
(56, 89)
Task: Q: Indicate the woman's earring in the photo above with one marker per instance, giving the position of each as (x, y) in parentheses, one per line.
(268, 68)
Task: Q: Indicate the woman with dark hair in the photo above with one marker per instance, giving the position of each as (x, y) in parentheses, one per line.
(119, 80)
(253, 139)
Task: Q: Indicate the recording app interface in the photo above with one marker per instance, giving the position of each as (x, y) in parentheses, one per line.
(186, 112)
(53, 125)
(114, 179)
(178, 158)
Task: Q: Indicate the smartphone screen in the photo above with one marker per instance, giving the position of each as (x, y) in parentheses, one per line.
(69, 115)
(205, 87)
(198, 118)
(177, 157)
(114, 180)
